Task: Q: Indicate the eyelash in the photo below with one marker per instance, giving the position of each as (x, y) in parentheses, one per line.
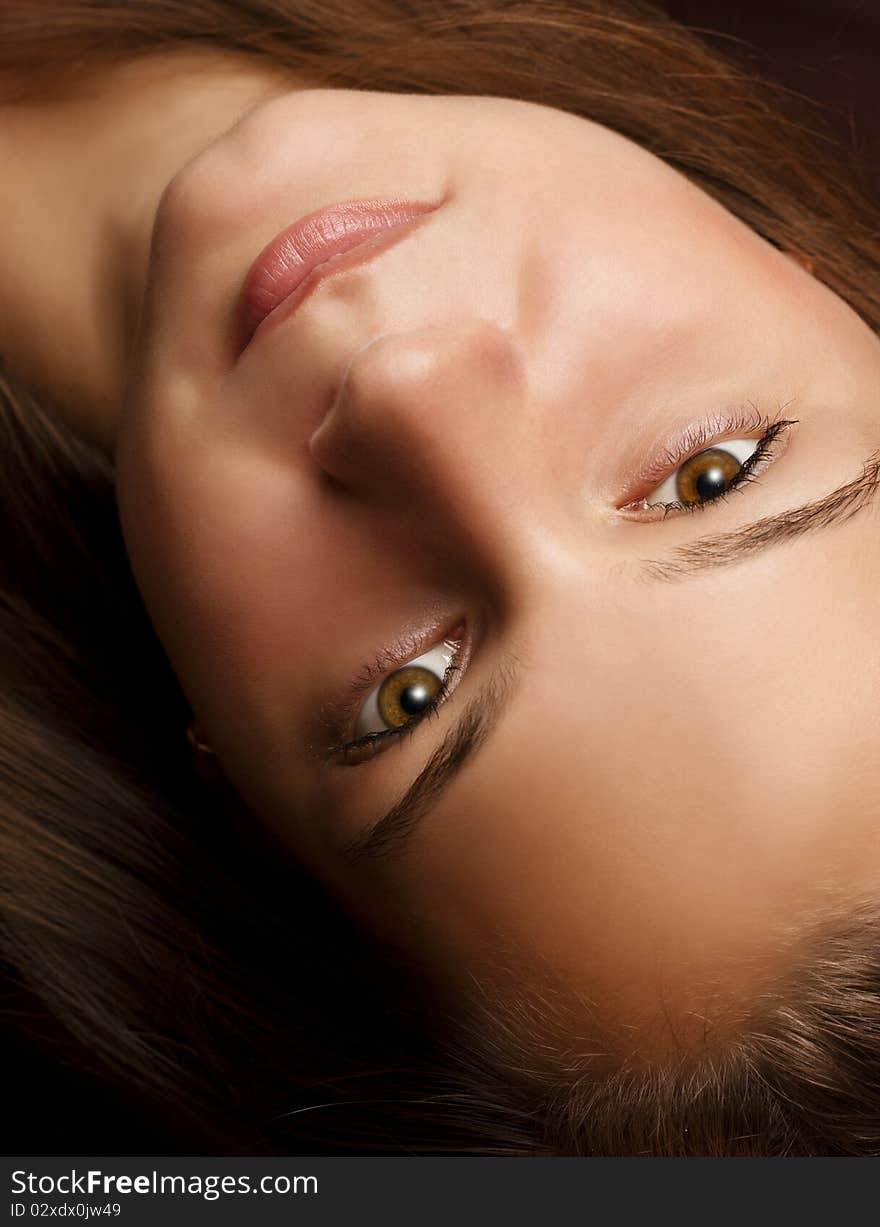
(388, 662)
(701, 438)
(698, 439)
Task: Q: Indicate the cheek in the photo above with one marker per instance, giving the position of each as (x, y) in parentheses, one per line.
(264, 593)
(233, 567)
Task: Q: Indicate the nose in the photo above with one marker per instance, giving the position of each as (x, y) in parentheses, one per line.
(437, 424)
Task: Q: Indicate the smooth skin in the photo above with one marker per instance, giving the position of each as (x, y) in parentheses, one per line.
(683, 772)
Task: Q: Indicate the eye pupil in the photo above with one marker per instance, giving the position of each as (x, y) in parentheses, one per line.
(406, 694)
(414, 699)
(710, 482)
(707, 475)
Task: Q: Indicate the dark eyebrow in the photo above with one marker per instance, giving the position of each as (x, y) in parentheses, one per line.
(723, 549)
(458, 747)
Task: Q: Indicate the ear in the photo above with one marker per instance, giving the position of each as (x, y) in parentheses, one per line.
(203, 759)
(196, 739)
(799, 258)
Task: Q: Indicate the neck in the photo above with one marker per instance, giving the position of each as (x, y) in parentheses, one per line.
(82, 179)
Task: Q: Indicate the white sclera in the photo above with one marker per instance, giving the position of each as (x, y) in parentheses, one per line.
(740, 449)
(438, 660)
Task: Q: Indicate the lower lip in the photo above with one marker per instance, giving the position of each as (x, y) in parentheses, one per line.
(318, 245)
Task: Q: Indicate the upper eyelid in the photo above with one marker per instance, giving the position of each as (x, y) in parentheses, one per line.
(770, 446)
(751, 447)
(728, 548)
(443, 649)
(761, 449)
(675, 450)
(393, 736)
(338, 713)
(458, 665)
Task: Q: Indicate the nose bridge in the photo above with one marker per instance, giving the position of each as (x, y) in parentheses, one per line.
(440, 415)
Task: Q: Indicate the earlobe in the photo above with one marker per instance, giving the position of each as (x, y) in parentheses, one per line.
(196, 739)
(204, 761)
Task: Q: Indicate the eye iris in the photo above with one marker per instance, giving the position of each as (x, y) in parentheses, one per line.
(706, 475)
(406, 694)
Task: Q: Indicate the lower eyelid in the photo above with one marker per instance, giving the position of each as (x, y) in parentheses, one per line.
(365, 749)
(372, 744)
(776, 446)
(436, 659)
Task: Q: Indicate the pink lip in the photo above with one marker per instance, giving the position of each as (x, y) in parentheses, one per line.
(337, 237)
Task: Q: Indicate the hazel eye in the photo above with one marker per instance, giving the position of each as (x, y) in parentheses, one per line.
(407, 693)
(707, 475)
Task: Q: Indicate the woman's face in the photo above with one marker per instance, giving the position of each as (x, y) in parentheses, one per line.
(655, 751)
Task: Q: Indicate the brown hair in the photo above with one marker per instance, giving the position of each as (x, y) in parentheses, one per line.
(131, 920)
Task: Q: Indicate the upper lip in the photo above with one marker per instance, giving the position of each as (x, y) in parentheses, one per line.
(326, 241)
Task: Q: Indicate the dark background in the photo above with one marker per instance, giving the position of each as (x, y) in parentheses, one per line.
(828, 50)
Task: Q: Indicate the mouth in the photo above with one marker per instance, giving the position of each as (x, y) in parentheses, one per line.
(314, 248)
